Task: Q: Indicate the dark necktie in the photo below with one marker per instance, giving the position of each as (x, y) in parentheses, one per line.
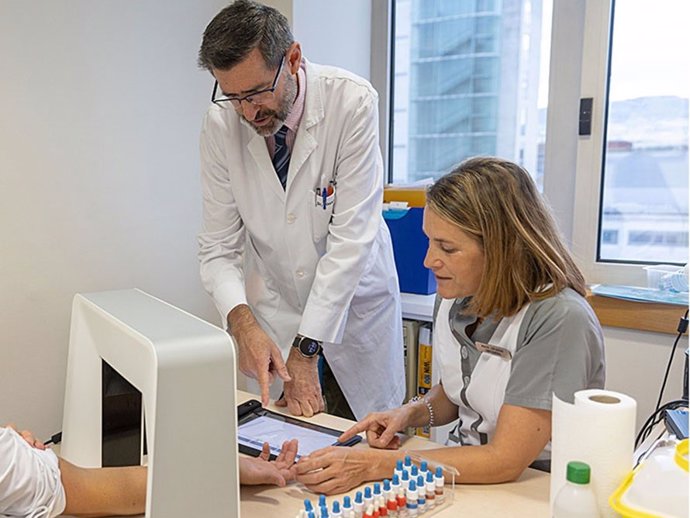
(281, 157)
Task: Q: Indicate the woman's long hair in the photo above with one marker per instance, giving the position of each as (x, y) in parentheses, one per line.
(525, 259)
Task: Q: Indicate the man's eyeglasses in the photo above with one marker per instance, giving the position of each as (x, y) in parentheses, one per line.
(259, 97)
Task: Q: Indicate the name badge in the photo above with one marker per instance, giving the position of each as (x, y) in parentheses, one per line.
(495, 350)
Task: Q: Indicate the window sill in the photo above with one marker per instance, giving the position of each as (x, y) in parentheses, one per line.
(611, 312)
(641, 316)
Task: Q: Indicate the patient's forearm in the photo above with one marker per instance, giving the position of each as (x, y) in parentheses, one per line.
(104, 491)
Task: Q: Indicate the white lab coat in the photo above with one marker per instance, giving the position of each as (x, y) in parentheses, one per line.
(327, 274)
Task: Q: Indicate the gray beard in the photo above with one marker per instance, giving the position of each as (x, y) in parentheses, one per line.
(281, 114)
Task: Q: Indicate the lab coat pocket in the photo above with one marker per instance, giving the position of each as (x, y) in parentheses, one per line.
(321, 213)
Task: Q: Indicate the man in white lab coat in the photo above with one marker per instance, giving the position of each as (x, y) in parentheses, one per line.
(293, 249)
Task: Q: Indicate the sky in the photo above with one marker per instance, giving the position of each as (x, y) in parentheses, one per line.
(651, 41)
(651, 49)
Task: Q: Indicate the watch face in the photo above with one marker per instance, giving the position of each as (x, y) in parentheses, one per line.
(309, 347)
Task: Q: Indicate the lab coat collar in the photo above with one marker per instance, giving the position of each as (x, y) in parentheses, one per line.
(313, 104)
(304, 141)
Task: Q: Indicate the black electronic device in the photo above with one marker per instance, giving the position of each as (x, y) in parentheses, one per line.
(256, 425)
(685, 375)
(585, 119)
(677, 422)
(308, 347)
(122, 422)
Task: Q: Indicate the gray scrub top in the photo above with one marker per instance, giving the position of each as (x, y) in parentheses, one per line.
(560, 349)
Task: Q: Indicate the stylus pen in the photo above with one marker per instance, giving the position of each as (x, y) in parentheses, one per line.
(350, 442)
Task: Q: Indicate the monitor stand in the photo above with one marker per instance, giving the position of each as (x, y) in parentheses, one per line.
(184, 369)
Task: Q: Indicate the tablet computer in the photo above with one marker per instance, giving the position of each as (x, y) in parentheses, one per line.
(256, 425)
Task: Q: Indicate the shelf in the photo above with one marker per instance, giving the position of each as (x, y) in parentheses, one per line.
(641, 316)
(418, 307)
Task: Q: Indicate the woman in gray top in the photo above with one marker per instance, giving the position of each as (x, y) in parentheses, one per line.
(512, 329)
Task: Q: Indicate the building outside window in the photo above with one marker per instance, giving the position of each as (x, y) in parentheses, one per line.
(470, 78)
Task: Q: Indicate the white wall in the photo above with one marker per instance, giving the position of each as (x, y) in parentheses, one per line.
(635, 365)
(331, 32)
(334, 33)
(100, 110)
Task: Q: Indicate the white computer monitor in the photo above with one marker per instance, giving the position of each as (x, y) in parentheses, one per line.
(184, 368)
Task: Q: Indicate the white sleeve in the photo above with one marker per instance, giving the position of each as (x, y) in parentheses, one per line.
(222, 238)
(30, 483)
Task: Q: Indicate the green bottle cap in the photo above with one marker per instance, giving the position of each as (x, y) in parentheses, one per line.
(578, 472)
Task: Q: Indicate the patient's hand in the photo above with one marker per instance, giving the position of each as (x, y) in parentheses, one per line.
(259, 470)
(28, 437)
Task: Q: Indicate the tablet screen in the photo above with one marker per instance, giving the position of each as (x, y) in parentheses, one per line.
(265, 426)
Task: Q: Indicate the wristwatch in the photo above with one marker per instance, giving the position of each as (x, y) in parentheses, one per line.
(308, 347)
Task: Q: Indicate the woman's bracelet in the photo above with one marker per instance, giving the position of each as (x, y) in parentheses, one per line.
(429, 407)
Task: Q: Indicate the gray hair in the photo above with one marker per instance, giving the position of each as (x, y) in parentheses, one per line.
(240, 28)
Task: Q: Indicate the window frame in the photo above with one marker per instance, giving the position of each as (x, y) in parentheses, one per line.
(596, 41)
(573, 165)
(382, 60)
(573, 171)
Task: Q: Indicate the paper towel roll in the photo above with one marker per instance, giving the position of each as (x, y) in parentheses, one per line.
(599, 429)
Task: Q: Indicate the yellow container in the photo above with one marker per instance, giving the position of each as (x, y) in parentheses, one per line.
(414, 196)
(658, 486)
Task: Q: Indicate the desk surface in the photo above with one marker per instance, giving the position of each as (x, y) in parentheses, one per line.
(528, 496)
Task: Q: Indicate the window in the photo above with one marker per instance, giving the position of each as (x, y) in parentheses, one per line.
(464, 79)
(631, 174)
(470, 78)
(645, 165)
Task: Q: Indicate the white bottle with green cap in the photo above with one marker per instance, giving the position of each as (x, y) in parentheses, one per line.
(576, 498)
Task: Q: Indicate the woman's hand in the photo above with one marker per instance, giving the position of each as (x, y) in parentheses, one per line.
(337, 469)
(381, 427)
(255, 471)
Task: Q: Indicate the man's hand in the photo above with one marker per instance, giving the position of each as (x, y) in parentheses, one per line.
(260, 357)
(255, 471)
(302, 395)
